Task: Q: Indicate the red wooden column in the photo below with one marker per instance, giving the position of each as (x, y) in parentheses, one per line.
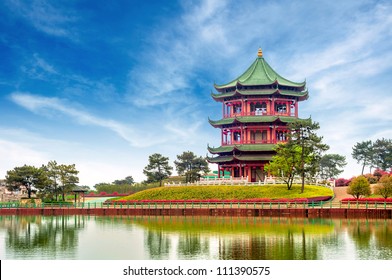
(287, 108)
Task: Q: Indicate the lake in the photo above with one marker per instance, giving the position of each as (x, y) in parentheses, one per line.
(192, 237)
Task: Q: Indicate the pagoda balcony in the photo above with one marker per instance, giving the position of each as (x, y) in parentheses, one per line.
(249, 142)
(259, 113)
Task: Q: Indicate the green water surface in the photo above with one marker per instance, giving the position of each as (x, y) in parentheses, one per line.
(184, 238)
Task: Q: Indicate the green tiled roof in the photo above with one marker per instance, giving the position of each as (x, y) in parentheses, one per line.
(252, 119)
(260, 73)
(242, 148)
(302, 95)
(220, 159)
(254, 157)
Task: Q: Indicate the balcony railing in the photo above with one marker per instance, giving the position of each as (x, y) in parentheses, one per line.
(243, 114)
(228, 143)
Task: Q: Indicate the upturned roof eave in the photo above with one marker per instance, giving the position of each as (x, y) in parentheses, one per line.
(302, 95)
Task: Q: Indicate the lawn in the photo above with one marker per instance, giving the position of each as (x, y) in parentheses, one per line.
(274, 192)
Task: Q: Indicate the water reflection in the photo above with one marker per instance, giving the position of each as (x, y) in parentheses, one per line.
(158, 237)
(38, 237)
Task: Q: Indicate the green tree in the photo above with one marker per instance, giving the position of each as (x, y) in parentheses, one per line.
(331, 165)
(284, 163)
(358, 187)
(53, 174)
(126, 181)
(29, 176)
(382, 154)
(363, 153)
(191, 166)
(157, 169)
(303, 135)
(384, 186)
(67, 178)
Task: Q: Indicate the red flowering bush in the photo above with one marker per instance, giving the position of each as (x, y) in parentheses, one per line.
(341, 182)
(364, 200)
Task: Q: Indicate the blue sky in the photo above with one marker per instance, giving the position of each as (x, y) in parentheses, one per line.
(105, 84)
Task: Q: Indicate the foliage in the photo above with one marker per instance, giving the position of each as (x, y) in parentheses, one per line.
(126, 181)
(28, 176)
(374, 154)
(67, 178)
(124, 188)
(53, 172)
(382, 154)
(191, 166)
(367, 199)
(229, 192)
(363, 153)
(359, 186)
(157, 169)
(331, 165)
(50, 180)
(379, 173)
(283, 164)
(384, 188)
(301, 154)
(371, 178)
(341, 182)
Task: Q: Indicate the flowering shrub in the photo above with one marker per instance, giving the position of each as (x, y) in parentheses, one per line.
(371, 178)
(379, 173)
(341, 182)
(369, 200)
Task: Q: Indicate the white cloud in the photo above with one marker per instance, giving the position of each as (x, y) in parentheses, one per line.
(39, 105)
(44, 16)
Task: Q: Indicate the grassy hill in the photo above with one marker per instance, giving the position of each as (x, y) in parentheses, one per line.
(229, 193)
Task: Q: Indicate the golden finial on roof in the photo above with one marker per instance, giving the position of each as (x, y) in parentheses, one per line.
(260, 53)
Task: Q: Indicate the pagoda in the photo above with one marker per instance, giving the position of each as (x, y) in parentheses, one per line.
(257, 108)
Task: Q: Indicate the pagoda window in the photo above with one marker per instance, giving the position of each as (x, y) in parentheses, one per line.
(280, 136)
(292, 109)
(237, 136)
(258, 136)
(237, 108)
(280, 108)
(258, 108)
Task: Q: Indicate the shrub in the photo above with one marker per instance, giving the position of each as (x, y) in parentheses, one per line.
(359, 186)
(384, 188)
(341, 182)
(371, 178)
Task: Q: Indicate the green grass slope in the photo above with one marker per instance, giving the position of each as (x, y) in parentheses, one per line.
(228, 193)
